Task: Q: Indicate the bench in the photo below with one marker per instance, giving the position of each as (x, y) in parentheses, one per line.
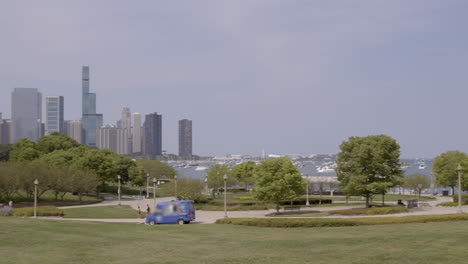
(292, 208)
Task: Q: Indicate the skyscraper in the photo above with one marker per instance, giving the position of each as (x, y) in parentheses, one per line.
(152, 141)
(125, 118)
(73, 129)
(185, 138)
(137, 133)
(90, 121)
(26, 113)
(6, 128)
(113, 138)
(54, 117)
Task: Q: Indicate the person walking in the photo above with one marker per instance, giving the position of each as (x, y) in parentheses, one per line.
(10, 204)
(148, 210)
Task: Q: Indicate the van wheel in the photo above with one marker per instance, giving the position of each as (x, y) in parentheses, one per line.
(186, 222)
(151, 222)
(181, 222)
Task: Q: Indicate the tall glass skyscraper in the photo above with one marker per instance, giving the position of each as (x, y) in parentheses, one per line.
(54, 118)
(152, 141)
(26, 112)
(185, 138)
(90, 121)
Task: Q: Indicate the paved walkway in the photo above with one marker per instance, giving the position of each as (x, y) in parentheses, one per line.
(209, 217)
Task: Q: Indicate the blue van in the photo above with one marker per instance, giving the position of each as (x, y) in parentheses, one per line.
(173, 212)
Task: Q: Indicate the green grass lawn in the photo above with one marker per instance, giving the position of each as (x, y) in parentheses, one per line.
(119, 212)
(388, 198)
(45, 241)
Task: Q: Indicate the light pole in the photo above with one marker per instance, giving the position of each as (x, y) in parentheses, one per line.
(225, 203)
(36, 182)
(307, 192)
(118, 188)
(419, 190)
(154, 191)
(459, 169)
(175, 186)
(206, 186)
(147, 185)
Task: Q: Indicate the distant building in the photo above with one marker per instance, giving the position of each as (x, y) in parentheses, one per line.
(54, 114)
(185, 138)
(136, 133)
(6, 129)
(26, 113)
(113, 138)
(125, 118)
(106, 137)
(73, 129)
(90, 120)
(152, 141)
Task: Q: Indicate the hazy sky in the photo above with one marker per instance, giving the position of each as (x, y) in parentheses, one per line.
(287, 76)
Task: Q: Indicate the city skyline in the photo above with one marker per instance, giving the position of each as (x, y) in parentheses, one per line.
(287, 78)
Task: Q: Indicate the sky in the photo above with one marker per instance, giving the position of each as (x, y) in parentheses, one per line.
(287, 76)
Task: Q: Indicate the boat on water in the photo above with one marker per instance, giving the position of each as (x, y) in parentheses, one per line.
(201, 168)
(422, 166)
(325, 169)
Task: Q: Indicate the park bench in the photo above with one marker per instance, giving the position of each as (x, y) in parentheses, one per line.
(292, 208)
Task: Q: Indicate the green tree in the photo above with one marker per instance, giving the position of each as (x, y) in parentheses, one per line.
(215, 177)
(368, 165)
(417, 182)
(444, 168)
(157, 168)
(244, 173)
(83, 181)
(9, 180)
(56, 141)
(24, 150)
(278, 180)
(187, 189)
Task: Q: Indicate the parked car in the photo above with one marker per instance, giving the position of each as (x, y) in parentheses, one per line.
(173, 212)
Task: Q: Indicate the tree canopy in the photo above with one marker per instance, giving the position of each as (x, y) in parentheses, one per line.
(244, 172)
(156, 168)
(444, 168)
(278, 180)
(368, 165)
(417, 182)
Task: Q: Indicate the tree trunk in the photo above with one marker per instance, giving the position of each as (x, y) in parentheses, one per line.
(367, 201)
(383, 199)
(277, 208)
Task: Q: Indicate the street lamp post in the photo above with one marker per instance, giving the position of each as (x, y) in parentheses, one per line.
(419, 190)
(206, 186)
(118, 188)
(147, 185)
(36, 182)
(307, 192)
(154, 191)
(225, 188)
(459, 169)
(175, 186)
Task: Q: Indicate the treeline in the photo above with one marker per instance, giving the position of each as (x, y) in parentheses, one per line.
(63, 165)
(17, 179)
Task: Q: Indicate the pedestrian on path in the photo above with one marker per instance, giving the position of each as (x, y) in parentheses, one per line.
(139, 212)
(148, 210)
(10, 204)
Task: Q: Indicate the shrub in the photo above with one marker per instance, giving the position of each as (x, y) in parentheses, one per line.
(41, 211)
(464, 199)
(448, 204)
(302, 201)
(337, 222)
(371, 211)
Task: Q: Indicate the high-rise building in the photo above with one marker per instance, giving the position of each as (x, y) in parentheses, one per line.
(106, 137)
(54, 115)
(113, 138)
(90, 121)
(125, 118)
(26, 113)
(6, 135)
(185, 138)
(152, 140)
(73, 129)
(136, 133)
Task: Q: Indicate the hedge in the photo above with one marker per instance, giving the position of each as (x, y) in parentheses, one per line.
(337, 222)
(41, 211)
(371, 211)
